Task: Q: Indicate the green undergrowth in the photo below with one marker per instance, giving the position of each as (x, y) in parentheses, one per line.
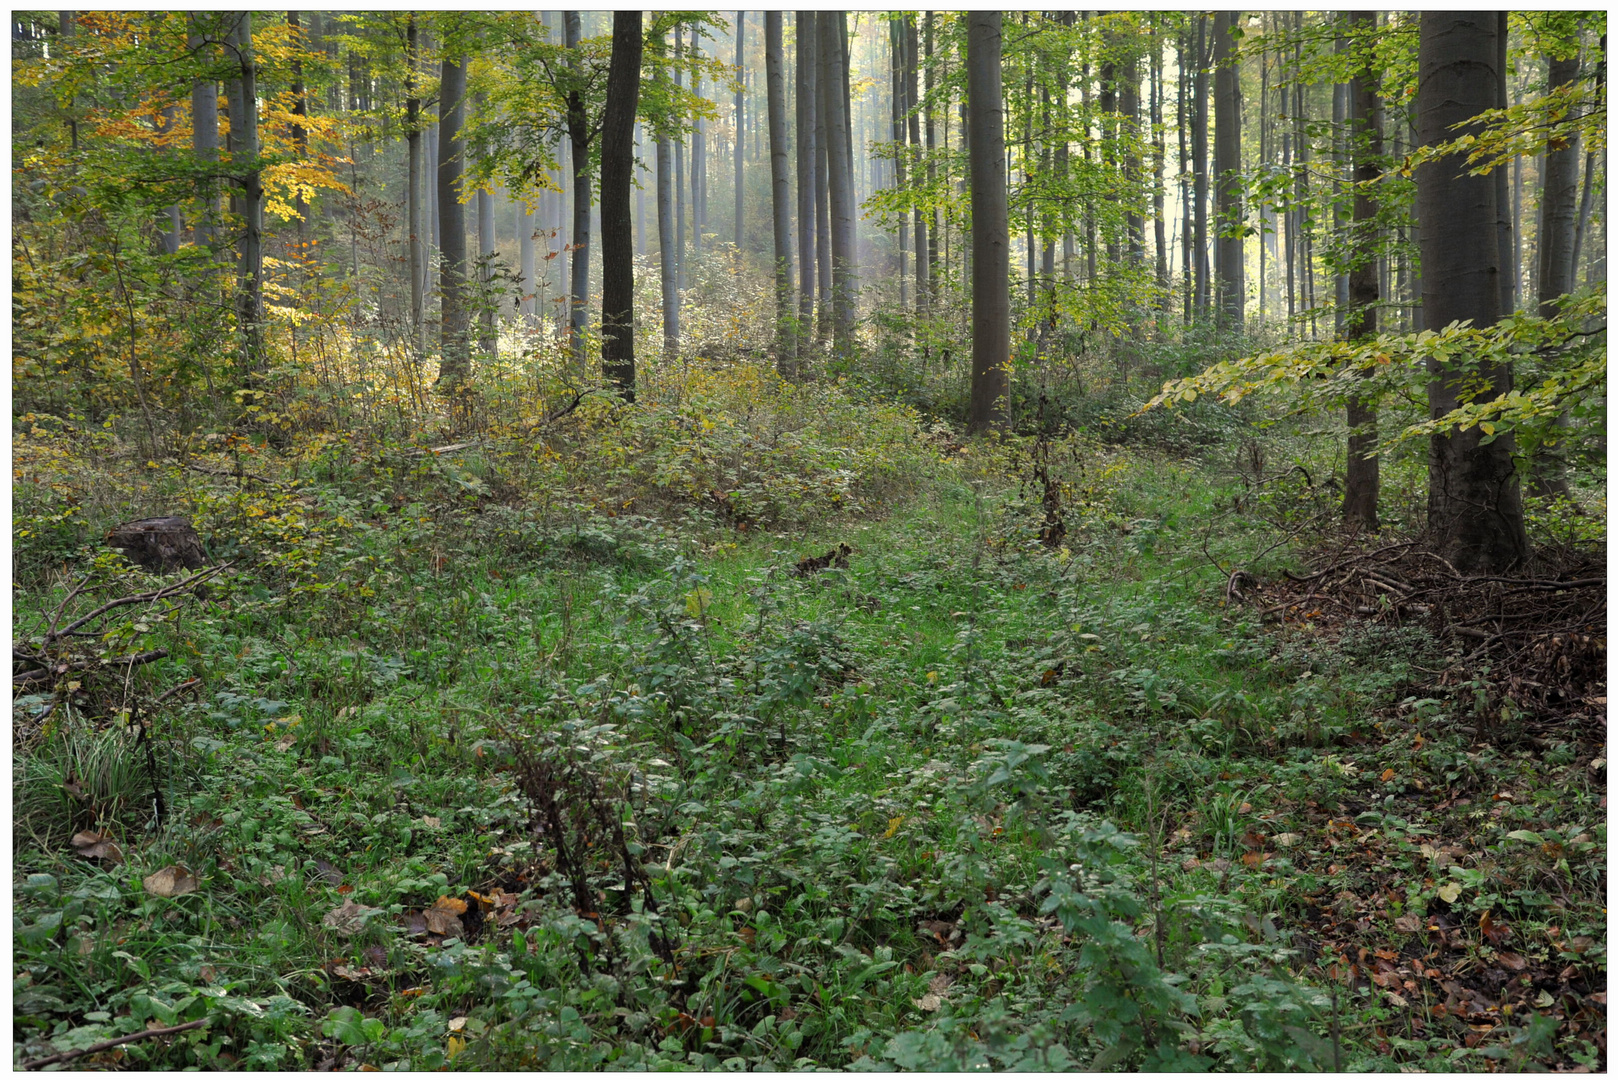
(473, 779)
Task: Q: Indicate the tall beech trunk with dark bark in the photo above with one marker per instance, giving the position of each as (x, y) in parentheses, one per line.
(1474, 504)
(1199, 169)
(668, 258)
(454, 319)
(1363, 479)
(1227, 168)
(617, 181)
(780, 193)
(806, 83)
(840, 180)
(991, 237)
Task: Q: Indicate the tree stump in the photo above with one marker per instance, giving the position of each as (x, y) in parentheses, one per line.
(160, 544)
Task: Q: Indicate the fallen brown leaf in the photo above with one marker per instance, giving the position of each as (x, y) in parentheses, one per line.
(1510, 961)
(173, 880)
(349, 919)
(444, 917)
(97, 845)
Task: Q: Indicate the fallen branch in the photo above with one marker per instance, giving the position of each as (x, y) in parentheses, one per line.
(141, 598)
(54, 670)
(96, 1048)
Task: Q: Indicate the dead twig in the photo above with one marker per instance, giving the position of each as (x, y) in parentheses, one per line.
(96, 1048)
(141, 598)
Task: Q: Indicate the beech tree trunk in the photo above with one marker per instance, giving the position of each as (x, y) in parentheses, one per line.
(667, 242)
(840, 181)
(699, 162)
(250, 263)
(454, 322)
(1474, 505)
(204, 129)
(991, 238)
(1362, 482)
(1227, 169)
(808, 33)
(579, 265)
(1199, 169)
(413, 224)
(922, 245)
(1502, 184)
(617, 180)
(780, 193)
(489, 336)
(1558, 239)
(741, 26)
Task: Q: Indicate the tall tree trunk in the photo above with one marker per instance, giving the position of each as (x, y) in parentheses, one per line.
(991, 247)
(699, 162)
(1502, 182)
(1182, 50)
(454, 319)
(667, 241)
(413, 184)
(204, 126)
(640, 193)
(527, 222)
(780, 193)
(896, 112)
(808, 34)
(1227, 170)
(1340, 171)
(840, 181)
(617, 178)
(300, 111)
(923, 283)
(741, 27)
(680, 261)
(579, 136)
(1587, 200)
(1159, 225)
(1362, 482)
(1199, 166)
(1558, 224)
(1128, 75)
(250, 265)
(934, 226)
(489, 334)
(1474, 506)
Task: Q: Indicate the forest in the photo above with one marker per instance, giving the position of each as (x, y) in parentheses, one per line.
(757, 540)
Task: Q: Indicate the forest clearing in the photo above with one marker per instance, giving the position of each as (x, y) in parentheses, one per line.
(816, 540)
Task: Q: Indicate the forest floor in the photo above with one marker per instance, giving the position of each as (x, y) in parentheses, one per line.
(469, 781)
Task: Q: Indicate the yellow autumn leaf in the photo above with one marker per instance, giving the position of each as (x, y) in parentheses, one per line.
(457, 1046)
(697, 601)
(1449, 893)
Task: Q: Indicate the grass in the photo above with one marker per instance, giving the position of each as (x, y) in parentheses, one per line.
(970, 802)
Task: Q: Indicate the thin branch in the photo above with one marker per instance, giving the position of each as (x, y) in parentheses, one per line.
(96, 1048)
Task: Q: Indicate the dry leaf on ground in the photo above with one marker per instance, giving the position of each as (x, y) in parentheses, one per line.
(349, 919)
(444, 917)
(97, 845)
(173, 880)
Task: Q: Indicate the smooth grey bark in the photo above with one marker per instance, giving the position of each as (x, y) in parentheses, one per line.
(617, 178)
(804, 113)
(823, 276)
(840, 181)
(168, 232)
(527, 222)
(204, 127)
(934, 227)
(454, 319)
(780, 193)
(991, 238)
(1363, 479)
(699, 161)
(1159, 224)
(897, 106)
(1127, 75)
(1474, 505)
(579, 136)
(488, 335)
(741, 26)
(1199, 169)
(250, 264)
(1340, 213)
(920, 230)
(1587, 200)
(1558, 236)
(413, 183)
(679, 186)
(1502, 184)
(1227, 168)
(667, 252)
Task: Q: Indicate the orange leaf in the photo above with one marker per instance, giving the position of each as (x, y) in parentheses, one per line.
(1254, 858)
(1496, 932)
(1387, 774)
